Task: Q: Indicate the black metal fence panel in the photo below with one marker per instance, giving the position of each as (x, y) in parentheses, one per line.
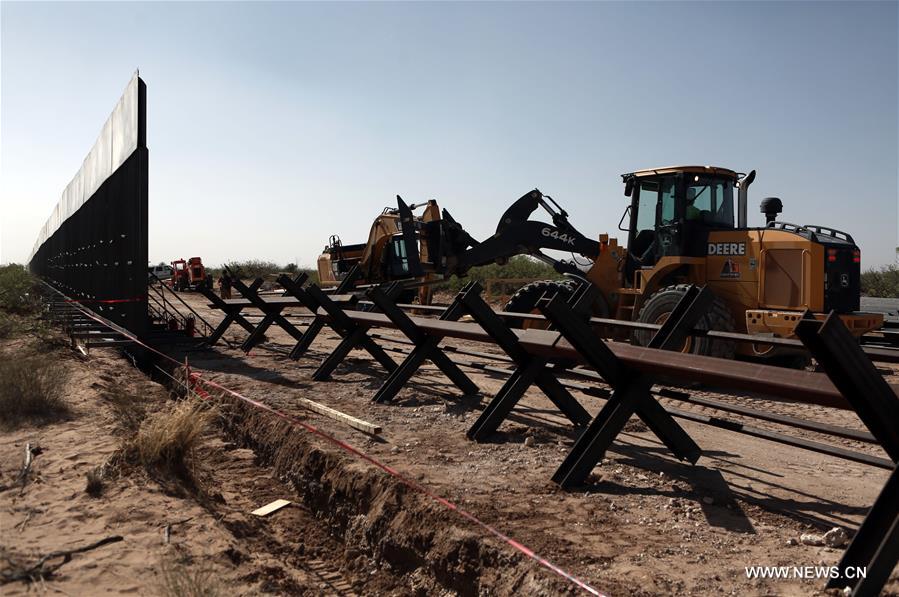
(93, 247)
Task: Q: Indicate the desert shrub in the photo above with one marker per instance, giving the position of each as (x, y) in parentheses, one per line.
(257, 268)
(520, 266)
(177, 579)
(94, 482)
(31, 390)
(17, 290)
(8, 326)
(167, 440)
(254, 268)
(882, 282)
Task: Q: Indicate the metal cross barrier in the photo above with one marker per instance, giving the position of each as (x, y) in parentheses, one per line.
(231, 308)
(271, 309)
(876, 544)
(426, 348)
(529, 370)
(294, 287)
(354, 334)
(630, 389)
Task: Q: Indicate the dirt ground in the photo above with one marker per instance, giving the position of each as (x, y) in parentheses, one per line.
(647, 524)
(214, 544)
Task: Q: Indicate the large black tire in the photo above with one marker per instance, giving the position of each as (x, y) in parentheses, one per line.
(526, 298)
(717, 318)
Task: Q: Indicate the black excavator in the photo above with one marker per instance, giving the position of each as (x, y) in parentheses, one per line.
(425, 249)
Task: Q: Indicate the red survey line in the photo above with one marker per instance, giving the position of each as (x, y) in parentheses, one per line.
(136, 299)
(196, 378)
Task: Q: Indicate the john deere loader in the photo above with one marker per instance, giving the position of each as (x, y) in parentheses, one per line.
(684, 225)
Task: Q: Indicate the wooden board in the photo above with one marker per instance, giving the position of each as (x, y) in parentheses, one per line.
(269, 508)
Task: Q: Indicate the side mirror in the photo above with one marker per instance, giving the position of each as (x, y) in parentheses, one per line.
(628, 187)
(627, 210)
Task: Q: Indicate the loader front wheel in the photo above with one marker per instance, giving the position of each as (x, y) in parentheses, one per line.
(659, 306)
(526, 298)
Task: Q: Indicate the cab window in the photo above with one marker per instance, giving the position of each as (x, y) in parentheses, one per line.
(646, 209)
(399, 261)
(710, 201)
(667, 199)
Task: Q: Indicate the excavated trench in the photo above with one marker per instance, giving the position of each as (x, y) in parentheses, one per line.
(376, 516)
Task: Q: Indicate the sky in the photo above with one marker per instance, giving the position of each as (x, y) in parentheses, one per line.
(272, 126)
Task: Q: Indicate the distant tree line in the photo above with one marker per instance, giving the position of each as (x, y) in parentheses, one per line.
(260, 268)
(881, 282)
(519, 267)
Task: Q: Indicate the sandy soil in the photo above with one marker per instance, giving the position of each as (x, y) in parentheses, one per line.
(213, 536)
(647, 524)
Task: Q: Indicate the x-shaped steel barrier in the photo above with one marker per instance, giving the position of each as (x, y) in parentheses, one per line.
(354, 334)
(529, 369)
(876, 544)
(271, 308)
(630, 389)
(426, 348)
(231, 309)
(295, 289)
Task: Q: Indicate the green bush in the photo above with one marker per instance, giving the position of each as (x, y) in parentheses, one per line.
(520, 266)
(259, 268)
(17, 290)
(882, 282)
(32, 389)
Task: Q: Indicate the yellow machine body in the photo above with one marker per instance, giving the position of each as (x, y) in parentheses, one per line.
(767, 277)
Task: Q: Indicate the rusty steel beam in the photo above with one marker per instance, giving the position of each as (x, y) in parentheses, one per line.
(712, 421)
(784, 384)
(880, 353)
(876, 353)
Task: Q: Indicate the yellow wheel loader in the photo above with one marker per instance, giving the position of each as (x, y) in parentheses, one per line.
(684, 225)
(688, 225)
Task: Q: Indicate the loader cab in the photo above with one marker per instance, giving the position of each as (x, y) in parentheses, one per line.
(672, 210)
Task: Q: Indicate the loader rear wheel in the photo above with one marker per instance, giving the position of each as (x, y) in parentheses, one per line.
(660, 305)
(526, 298)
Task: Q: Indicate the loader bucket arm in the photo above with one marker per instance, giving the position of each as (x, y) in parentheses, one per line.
(519, 211)
(517, 235)
(526, 238)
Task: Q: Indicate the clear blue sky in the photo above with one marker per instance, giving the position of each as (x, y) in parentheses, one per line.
(273, 126)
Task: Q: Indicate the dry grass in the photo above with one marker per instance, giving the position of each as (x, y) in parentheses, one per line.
(167, 440)
(180, 580)
(32, 390)
(94, 486)
(130, 409)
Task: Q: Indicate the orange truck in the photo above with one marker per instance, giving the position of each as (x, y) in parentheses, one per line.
(190, 274)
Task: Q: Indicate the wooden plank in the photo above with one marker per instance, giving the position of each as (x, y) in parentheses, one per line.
(269, 508)
(331, 413)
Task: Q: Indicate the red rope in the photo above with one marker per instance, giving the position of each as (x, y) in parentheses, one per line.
(136, 299)
(196, 379)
